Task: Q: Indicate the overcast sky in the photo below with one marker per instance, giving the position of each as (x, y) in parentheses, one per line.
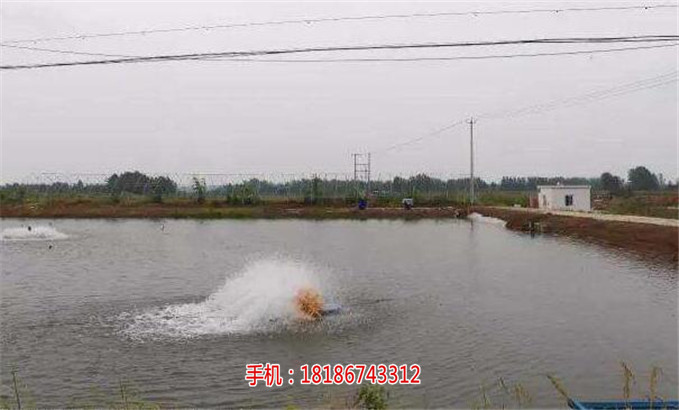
(272, 117)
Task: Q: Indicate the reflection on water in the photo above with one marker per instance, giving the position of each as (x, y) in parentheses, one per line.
(177, 308)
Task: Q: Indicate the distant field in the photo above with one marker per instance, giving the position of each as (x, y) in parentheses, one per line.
(655, 204)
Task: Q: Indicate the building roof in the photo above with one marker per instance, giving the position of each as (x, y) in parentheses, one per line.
(564, 187)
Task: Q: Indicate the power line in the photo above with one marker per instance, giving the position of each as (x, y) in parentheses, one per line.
(339, 19)
(603, 97)
(213, 55)
(422, 137)
(416, 59)
(69, 52)
(369, 60)
(639, 85)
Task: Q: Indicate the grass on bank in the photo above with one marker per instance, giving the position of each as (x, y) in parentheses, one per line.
(656, 204)
(642, 204)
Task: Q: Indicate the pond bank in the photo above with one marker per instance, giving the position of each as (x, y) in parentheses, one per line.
(210, 211)
(655, 242)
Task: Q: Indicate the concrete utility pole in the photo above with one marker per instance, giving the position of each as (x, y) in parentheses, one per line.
(471, 122)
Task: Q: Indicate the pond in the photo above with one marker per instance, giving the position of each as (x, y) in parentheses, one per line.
(175, 309)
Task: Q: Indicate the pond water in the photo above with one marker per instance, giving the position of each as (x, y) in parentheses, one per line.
(175, 309)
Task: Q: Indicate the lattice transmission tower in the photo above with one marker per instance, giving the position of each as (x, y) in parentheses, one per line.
(361, 173)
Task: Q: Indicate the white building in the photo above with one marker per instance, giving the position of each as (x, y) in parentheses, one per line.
(565, 197)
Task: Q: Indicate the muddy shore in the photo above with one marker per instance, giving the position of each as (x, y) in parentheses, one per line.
(652, 242)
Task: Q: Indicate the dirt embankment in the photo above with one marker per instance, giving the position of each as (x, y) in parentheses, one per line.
(655, 242)
(206, 211)
(659, 243)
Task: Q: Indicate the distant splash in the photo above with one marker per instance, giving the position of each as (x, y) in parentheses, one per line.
(35, 233)
(260, 298)
(486, 219)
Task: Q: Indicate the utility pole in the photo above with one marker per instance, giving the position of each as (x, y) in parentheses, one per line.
(471, 122)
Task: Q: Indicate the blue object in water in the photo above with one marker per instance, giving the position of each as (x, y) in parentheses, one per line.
(330, 309)
(622, 405)
(362, 203)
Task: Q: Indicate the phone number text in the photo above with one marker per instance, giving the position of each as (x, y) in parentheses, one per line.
(270, 374)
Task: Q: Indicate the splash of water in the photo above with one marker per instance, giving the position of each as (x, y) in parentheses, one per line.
(35, 233)
(258, 299)
(486, 219)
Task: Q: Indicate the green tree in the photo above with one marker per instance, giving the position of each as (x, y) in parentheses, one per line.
(137, 183)
(641, 179)
(132, 182)
(315, 194)
(162, 186)
(200, 189)
(610, 182)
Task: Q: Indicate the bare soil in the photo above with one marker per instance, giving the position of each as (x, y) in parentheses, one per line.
(655, 242)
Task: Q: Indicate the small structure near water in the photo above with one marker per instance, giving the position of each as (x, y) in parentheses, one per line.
(310, 305)
(624, 404)
(565, 197)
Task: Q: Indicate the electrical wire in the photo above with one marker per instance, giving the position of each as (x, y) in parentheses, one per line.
(412, 46)
(338, 19)
(365, 60)
(420, 138)
(456, 58)
(640, 85)
(635, 86)
(68, 52)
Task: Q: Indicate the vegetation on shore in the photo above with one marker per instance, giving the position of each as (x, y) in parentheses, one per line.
(137, 195)
(661, 205)
(659, 243)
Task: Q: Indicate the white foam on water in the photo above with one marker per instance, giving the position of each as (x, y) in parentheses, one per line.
(486, 219)
(260, 298)
(36, 233)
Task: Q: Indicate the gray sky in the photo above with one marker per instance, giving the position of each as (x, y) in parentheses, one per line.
(258, 117)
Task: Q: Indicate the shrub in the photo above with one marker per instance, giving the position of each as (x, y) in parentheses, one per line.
(199, 188)
(372, 397)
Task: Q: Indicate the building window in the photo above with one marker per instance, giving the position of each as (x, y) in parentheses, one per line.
(569, 200)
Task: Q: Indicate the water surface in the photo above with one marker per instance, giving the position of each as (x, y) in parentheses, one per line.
(176, 308)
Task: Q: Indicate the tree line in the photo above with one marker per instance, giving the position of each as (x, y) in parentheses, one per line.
(158, 187)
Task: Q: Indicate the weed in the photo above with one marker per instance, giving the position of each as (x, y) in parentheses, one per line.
(629, 380)
(16, 388)
(522, 396)
(371, 397)
(515, 396)
(559, 386)
(656, 372)
(19, 398)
